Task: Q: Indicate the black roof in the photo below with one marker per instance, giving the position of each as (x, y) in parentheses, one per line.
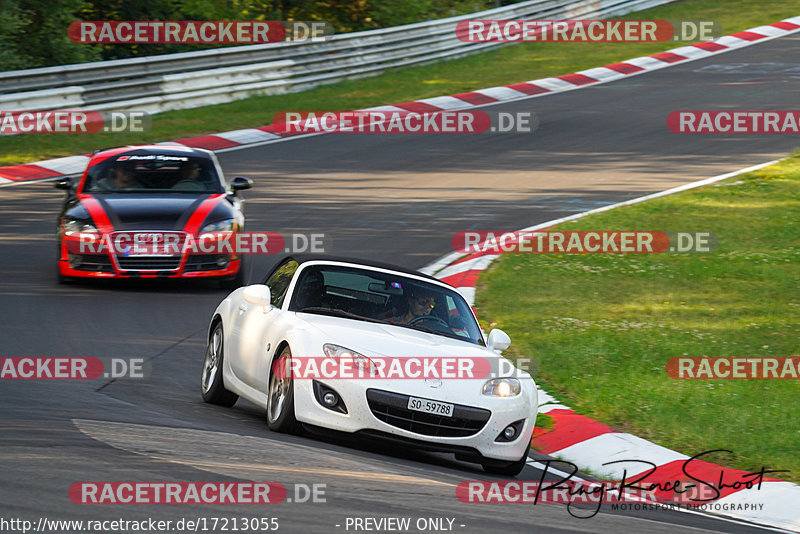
(303, 258)
(169, 150)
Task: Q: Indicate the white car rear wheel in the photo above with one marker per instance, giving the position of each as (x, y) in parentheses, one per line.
(212, 385)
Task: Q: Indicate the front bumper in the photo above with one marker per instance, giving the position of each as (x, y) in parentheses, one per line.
(111, 266)
(481, 438)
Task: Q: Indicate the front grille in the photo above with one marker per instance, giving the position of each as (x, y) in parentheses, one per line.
(98, 263)
(392, 408)
(149, 263)
(205, 262)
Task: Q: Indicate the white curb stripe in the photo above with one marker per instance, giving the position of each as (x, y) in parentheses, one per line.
(770, 31)
(247, 136)
(594, 452)
(732, 42)
(479, 263)
(780, 504)
(468, 293)
(550, 407)
(446, 102)
(554, 84)
(692, 52)
(68, 165)
(602, 73)
(501, 93)
(648, 63)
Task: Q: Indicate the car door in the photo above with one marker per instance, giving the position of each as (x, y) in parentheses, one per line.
(253, 329)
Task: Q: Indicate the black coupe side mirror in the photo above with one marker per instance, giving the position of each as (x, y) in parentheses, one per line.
(240, 182)
(64, 183)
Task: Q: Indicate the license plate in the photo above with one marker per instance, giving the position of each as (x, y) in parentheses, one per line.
(429, 406)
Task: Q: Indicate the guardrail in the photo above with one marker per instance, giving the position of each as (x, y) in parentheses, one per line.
(193, 79)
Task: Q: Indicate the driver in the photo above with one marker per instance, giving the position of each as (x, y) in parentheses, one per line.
(121, 177)
(420, 304)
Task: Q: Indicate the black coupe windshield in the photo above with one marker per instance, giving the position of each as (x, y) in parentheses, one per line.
(373, 296)
(154, 173)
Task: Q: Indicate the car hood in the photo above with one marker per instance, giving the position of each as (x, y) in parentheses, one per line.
(378, 339)
(135, 211)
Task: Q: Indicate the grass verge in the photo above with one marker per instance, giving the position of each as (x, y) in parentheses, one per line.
(602, 326)
(511, 64)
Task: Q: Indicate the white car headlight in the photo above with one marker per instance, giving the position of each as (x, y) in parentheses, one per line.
(363, 363)
(501, 387)
(75, 226)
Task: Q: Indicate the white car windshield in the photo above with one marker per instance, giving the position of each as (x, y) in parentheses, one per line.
(373, 296)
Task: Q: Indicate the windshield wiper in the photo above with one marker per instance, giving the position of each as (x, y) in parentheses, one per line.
(340, 313)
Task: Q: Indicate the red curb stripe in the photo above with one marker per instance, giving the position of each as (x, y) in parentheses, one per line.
(577, 79)
(704, 471)
(788, 26)
(476, 99)
(21, 173)
(275, 129)
(624, 68)
(209, 142)
(417, 107)
(669, 57)
(569, 428)
(709, 46)
(528, 88)
(463, 279)
(748, 36)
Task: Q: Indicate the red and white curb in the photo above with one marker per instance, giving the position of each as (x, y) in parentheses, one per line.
(236, 139)
(592, 445)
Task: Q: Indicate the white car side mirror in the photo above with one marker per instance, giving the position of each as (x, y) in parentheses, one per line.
(498, 340)
(259, 295)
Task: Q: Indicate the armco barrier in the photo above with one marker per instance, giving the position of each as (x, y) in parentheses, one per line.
(72, 165)
(193, 79)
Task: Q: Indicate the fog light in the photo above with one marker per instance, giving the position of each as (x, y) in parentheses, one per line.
(75, 261)
(222, 261)
(510, 432)
(330, 399)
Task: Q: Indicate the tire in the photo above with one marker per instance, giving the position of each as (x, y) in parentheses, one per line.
(280, 398)
(509, 469)
(212, 384)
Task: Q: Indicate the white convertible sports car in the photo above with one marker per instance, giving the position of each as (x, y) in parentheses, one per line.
(282, 345)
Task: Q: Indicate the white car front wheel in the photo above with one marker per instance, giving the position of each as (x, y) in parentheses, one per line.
(280, 396)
